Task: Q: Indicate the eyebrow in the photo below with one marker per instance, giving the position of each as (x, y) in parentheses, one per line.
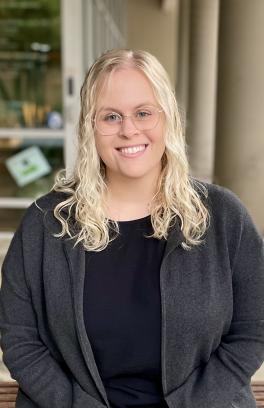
(108, 108)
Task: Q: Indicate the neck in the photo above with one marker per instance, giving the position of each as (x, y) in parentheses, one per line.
(130, 198)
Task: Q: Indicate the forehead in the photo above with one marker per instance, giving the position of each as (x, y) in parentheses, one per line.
(126, 87)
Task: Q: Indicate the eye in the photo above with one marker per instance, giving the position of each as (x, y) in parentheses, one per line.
(143, 114)
(111, 117)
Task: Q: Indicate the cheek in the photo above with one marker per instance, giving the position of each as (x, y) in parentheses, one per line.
(104, 151)
(160, 147)
(159, 139)
(100, 145)
(100, 149)
(162, 138)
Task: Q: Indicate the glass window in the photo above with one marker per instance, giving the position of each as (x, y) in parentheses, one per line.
(31, 175)
(30, 64)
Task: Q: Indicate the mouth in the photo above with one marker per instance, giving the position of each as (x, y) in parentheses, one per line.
(132, 151)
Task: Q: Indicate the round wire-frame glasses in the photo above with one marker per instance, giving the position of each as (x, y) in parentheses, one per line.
(109, 122)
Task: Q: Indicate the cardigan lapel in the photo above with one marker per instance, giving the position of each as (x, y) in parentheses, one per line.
(175, 238)
(76, 260)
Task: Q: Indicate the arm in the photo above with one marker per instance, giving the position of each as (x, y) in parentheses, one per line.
(241, 352)
(38, 374)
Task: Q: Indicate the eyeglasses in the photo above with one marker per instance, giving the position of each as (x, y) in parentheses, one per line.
(110, 123)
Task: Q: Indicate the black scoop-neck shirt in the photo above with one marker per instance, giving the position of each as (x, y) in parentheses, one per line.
(122, 315)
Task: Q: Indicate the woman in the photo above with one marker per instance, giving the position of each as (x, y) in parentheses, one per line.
(130, 284)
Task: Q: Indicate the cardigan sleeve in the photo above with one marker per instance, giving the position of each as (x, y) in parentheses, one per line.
(29, 361)
(221, 382)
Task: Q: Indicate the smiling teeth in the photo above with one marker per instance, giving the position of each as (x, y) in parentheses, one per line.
(131, 150)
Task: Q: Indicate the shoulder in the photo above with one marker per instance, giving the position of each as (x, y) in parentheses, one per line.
(40, 210)
(230, 221)
(49, 201)
(222, 203)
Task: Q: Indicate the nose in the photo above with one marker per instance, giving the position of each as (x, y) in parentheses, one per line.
(128, 127)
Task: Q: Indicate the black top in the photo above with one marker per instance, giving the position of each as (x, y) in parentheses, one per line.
(122, 315)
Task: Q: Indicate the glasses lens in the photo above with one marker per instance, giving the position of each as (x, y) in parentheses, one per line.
(108, 123)
(146, 118)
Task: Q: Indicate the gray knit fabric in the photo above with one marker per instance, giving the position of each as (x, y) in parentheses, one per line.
(212, 313)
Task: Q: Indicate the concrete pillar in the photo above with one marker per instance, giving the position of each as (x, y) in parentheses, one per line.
(239, 159)
(200, 128)
(182, 56)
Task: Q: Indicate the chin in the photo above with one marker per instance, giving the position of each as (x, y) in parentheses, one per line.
(133, 175)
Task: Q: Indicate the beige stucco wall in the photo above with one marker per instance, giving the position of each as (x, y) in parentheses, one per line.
(154, 29)
(239, 163)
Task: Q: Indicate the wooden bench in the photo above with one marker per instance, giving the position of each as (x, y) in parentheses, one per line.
(8, 392)
(258, 390)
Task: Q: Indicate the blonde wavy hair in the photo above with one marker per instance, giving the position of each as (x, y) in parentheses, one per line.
(178, 196)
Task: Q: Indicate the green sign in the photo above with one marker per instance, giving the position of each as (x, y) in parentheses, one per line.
(28, 165)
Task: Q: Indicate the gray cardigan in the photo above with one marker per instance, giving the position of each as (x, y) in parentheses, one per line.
(212, 296)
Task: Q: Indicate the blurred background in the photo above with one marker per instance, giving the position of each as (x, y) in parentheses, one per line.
(212, 49)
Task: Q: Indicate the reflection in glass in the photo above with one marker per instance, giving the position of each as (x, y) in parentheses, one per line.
(53, 153)
(30, 64)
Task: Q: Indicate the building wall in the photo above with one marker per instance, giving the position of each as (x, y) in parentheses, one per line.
(154, 29)
(239, 153)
